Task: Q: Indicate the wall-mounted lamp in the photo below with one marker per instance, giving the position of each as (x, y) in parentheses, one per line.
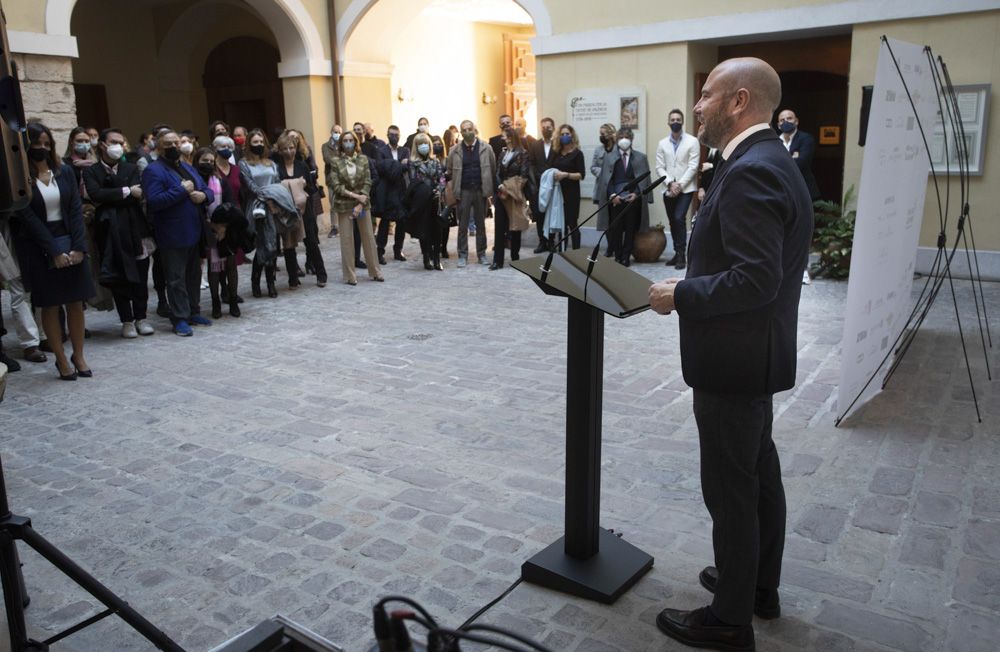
(402, 97)
(489, 99)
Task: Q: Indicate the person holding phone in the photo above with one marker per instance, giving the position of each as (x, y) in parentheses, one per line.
(52, 248)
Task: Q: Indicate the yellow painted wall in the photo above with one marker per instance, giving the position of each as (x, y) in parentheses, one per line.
(574, 16)
(489, 73)
(25, 15)
(368, 99)
(970, 46)
(310, 109)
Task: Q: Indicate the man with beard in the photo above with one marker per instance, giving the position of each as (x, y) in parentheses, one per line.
(738, 314)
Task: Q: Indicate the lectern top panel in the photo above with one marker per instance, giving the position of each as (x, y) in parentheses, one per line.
(602, 283)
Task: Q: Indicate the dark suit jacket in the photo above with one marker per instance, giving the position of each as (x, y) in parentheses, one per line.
(392, 181)
(497, 145)
(120, 223)
(32, 228)
(805, 145)
(539, 164)
(639, 164)
(738, 306)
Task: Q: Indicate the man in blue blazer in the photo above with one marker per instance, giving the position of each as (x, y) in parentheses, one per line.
(738, 314)
(175, 195)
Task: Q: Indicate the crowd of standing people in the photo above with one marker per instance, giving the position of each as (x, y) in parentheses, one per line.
(103, 215)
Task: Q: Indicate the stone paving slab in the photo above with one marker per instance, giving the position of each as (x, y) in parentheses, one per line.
(338, 444)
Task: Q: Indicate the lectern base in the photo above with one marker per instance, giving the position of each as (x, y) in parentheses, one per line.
(604, 577)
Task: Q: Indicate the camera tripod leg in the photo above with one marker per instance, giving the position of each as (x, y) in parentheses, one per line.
(14, 596)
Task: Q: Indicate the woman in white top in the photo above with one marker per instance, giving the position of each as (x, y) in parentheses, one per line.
(52, 248)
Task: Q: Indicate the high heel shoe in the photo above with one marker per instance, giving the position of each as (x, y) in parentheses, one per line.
(89, 373)
(69, 376)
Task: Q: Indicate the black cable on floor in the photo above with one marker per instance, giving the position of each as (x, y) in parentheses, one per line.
(489, 606)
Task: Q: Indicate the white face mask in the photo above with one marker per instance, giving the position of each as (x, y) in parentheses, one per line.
(334, 139)
(422, 129)
(423, 149)
(115, 152)
(81, 148)
(93, 142)
(186, 148)
(624, 144)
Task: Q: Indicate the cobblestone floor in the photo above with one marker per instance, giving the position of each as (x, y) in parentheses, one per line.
(338, 444)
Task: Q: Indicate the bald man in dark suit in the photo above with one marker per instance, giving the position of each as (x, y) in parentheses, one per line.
(737, 310)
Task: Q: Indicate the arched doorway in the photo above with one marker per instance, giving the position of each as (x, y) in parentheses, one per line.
(447, 61)
(242, 85)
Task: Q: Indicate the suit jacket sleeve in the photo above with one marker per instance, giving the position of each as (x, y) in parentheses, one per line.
(93, 181)
(161, 190)
(73, 209)
(752, 232)
(806, 147)
(661, 162)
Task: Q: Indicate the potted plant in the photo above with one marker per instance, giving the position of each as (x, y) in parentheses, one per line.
(833, 236)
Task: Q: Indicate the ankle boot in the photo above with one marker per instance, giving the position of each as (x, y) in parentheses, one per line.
(271, 290)
(427, 262)
(292, 264)
(436, 260)
(213, 288)
(234, 309)
(255, 281)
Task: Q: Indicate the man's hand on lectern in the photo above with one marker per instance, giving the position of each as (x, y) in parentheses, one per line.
(661, 295)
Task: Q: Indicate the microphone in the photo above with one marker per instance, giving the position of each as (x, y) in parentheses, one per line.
(648, 189)
(627, 188)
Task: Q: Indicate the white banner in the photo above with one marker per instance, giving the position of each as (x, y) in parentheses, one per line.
(588, 108)
(890, 210)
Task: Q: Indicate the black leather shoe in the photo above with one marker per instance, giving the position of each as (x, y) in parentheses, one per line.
(398, 255)
(766, 604)
(672, 261)
(360, 264)
(680, 263)
(542, 247)
(381, 259)
(689, 628)
(12, 365)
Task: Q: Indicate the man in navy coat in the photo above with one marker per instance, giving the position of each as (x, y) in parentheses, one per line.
(738, 314)
(174, 197)
(801, 146)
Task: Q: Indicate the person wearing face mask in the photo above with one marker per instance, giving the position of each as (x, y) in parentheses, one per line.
(51, 246)
(514, 181)
(677, 158)
(159, 281)
(522, 130)
(294, 169)
(233, 190)
(350, 193)
(329, 151)
(543, 152)
(423, 127)
(571, 171)
(423, 197)
(391, 161)
(607, 138)
(124, 233)
(303, 152)
(239, 134)
(80, 154)
(801, 146)
(205, 163)
(174, 194)
(498, 143)
(628, 213)
(440, 149)
(95, 137)
(471, 174)
(257, 172)
(188, 144)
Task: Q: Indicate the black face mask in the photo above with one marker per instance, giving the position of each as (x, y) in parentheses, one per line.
(38, 154)
(206, 169)
(172, 154)
(438, 150)
(258, 150)
(393, 139)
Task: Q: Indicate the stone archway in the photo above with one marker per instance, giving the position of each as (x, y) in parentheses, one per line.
(294, 29)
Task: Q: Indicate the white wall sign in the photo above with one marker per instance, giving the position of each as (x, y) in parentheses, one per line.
(588, 108)
(890, 210)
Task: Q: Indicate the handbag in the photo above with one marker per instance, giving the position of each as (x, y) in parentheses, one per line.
(449, 195)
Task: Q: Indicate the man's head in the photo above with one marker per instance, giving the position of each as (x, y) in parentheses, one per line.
(468, 129)
(548, 126)
(111, 145)
(369, 131)
(167, 142)
(675, 120)
(359, 131)
(506, 122)
(521, 126)
(392, 135)
(788, 122)
(625, 137)
(738, 94)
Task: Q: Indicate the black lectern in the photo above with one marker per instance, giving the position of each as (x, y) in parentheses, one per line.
(587, 561)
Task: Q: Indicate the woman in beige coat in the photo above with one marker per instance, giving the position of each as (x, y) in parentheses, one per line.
(351, 185)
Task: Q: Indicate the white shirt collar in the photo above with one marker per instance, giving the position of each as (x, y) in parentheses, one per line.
(740, 137)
